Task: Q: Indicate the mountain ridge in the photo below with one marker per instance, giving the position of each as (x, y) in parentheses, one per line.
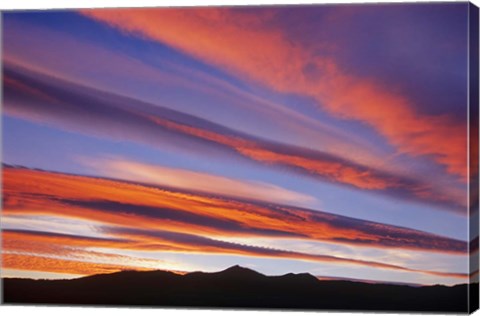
(234, 287)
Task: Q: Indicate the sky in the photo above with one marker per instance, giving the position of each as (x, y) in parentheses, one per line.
(327, 139)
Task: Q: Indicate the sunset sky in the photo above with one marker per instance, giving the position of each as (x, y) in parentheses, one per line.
(323, 139)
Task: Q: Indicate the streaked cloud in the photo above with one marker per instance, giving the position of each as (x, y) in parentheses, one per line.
(187, 242)
(252, 48)
(89, 111)
(119, 168)
(47, 264)
(52, 224)
(155, 78)
(116, 203)
(71, 253)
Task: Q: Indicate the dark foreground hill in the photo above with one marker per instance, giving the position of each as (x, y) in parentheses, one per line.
(235, 287)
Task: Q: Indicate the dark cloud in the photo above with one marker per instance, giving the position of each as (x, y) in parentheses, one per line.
(36, 233)
(394, 236)
(177, 215)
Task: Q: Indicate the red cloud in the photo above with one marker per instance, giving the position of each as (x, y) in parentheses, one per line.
(248, 45)
(46, 264)
(118, 203)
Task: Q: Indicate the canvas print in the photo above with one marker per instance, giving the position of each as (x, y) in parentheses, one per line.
(301, 157)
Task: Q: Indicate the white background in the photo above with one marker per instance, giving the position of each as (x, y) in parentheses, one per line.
(81, 311)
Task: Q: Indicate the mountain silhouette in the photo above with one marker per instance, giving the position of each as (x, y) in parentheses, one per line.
(237, 287)
(236, 270)
(233, 273)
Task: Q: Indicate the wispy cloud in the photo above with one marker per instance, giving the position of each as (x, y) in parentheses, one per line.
(31, 262)
(94, 112)
(98, 65)
(254, 48)
(188, 242)
(31, 250)
(67, 253)
(119, 168)
(116, 203)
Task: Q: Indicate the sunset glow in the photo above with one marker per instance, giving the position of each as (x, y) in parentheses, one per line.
(280, 138)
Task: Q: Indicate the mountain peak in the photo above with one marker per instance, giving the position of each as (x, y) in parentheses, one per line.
(236, 268)
(239, 270)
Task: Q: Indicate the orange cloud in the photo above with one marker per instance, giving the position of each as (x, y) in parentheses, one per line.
(120, 203)
(75, 250)
(333, 169)
(197, 181)
(144, 218)
(248, 45)
(26, 241)
(46, 264)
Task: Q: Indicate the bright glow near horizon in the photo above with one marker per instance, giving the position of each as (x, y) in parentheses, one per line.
(294, 139)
